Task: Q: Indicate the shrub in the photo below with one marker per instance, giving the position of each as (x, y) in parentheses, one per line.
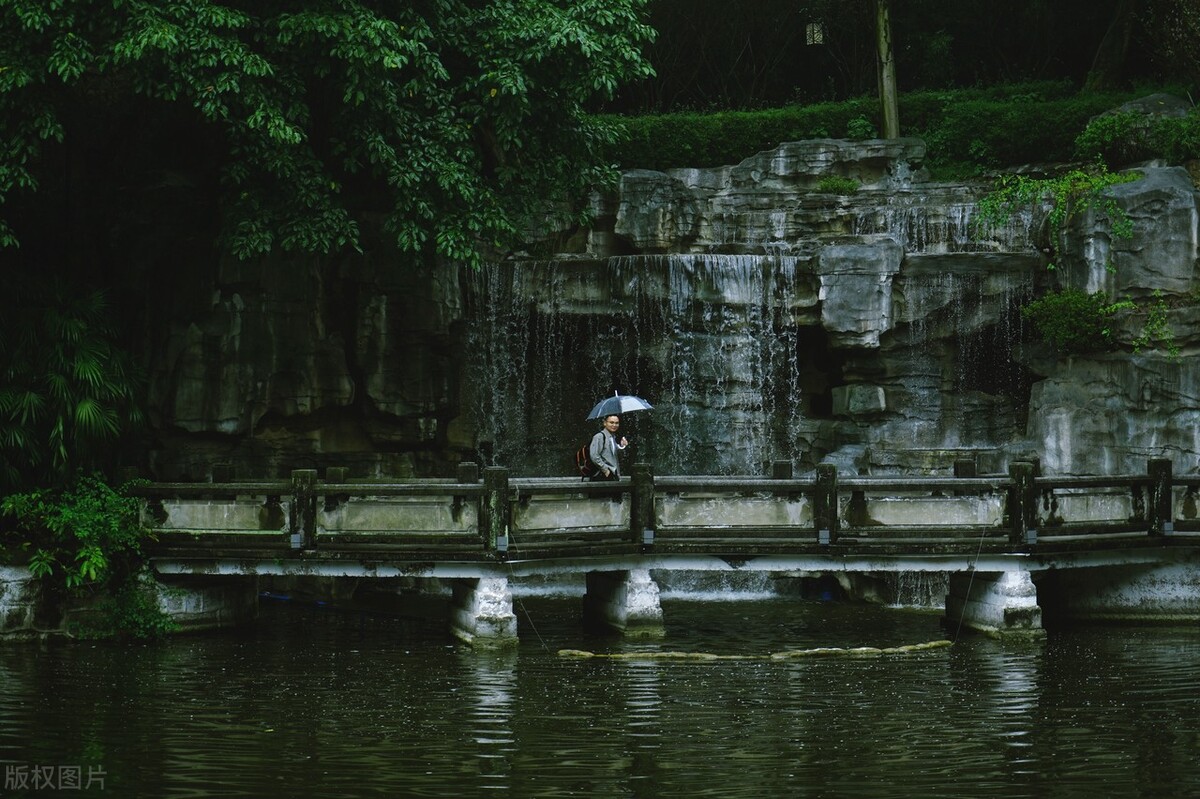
(131, 610)
(67, 388)
(837, 185)
(1074, 321)
(971, 130)
(860, 129)
(1128, 137)
(85, 539)
(1156, 330)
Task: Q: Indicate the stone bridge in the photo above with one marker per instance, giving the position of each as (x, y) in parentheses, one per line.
(1097, 547)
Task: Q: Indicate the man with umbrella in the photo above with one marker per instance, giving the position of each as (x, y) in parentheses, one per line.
(604, 449)
(605, 445)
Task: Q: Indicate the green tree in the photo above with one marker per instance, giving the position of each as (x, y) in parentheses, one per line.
(888, 101)
(1173, 27)
(450, 120)
(84, 539)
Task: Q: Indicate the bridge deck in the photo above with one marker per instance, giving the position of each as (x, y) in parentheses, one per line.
(304, 524)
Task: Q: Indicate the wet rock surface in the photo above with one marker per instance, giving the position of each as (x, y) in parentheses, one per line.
(766, 319)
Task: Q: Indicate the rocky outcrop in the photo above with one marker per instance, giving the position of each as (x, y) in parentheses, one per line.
(1159, 255)
(766, 317)
(275, 366)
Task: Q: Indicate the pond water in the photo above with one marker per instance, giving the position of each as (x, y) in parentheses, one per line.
(318, 701)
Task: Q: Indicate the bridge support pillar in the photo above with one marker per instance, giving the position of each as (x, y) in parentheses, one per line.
(626, 601)
(481, 612)
(996, 603)
(207, 603)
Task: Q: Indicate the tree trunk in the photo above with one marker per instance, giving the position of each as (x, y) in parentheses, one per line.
(889, 103)
(1105, 73)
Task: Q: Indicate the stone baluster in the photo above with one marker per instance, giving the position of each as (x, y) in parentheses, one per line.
(335, 475)
(1022, 503)
(825, 503)
(1159, 505)
(495, 510)
(468, 472)
(642, 522)
(965, 467)
(303, 516)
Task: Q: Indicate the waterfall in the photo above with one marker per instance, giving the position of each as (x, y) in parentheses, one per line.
(940, 221)
(715, 586)
(958, 328)
(708, 339)
(925, 590)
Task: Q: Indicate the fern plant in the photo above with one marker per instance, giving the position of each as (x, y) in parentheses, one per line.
(67, 391)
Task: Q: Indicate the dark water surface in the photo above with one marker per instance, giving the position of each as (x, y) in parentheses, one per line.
(320, 702)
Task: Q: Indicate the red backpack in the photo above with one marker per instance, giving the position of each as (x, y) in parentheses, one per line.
(583, 461)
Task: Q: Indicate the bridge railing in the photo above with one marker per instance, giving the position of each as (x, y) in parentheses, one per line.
(490, 514)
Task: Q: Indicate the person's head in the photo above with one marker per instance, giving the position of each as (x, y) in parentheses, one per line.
(611, 423)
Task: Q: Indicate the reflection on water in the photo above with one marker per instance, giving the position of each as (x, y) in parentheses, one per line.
(492, 687)
(328, 703)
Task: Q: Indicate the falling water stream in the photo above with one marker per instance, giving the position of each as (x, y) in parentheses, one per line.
(707, 339)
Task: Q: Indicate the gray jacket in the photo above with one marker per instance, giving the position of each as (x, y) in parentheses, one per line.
(603, 452)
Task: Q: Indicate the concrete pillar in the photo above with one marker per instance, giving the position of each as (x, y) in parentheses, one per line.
(626, 601)
(1150, 593)
(206, 603)
(20, 602)
(481, 612)
(996, 603)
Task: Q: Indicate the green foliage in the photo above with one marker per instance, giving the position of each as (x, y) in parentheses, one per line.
(1074, 321)
(1127, 137)
(966, 130)
(860, 128)
(129, 611)
(1157, 329)
(68, 391)
(79, 535)
(666, 141)
(987, 131)
(453, 121)
(1073, 192)
(833, 184)
(86, 540)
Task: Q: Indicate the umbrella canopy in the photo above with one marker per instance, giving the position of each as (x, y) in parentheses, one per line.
(618, 404)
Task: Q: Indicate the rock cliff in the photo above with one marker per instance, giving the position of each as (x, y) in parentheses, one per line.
(766, 316)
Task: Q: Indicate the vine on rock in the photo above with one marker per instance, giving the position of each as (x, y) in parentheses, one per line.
(1068, 195)
(1073, 320)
